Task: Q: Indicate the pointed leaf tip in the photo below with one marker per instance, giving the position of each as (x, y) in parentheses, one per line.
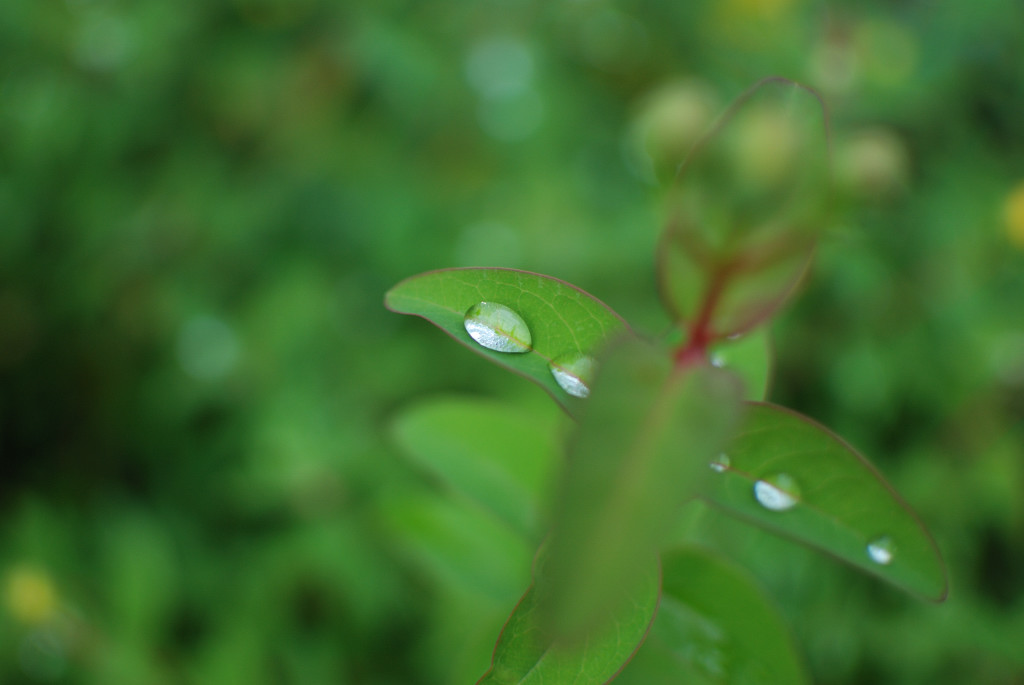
(531, 324)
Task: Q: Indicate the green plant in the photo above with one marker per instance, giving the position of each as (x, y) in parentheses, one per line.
(664, 423)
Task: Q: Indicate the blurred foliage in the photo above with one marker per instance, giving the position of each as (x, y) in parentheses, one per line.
(202, 203)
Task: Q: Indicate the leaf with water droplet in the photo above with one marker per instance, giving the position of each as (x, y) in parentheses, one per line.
(497, 455)
(561, 318)
(721, 463)
(639, 452)
(840, 502)
(498, 328)
(574, 372)
(527, 653)
(746, 209)
(881, 550)
(777, 492)
(714, 625)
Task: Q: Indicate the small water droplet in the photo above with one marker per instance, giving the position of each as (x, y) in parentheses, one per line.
(498, 328)
(717, 359)
(778, 492)
(574, 372)
(881, 550)
(721, 463)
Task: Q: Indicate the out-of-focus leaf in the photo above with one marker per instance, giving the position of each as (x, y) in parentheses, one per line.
(138, 560)
(527, 654)
(639, 453)
(562, 320)
(495, 454)
(462, 634)
(714, 625)
(746, 209)
(458, 543)
(790, 475)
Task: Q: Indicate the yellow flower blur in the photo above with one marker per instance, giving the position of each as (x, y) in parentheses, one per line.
(1013, 214)
(29, 594)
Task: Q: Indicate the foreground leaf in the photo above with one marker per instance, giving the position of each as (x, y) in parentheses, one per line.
(639, 453)
(526, 654)
(714, 625)
(746, 210)
(500, 457)
(561, 321)
(790, 475)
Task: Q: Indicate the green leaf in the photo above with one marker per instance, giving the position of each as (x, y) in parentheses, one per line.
(458, 543)
(497, 455)
(826, 495)
(714, 625)
(562, 320)
(526, 654)
(459, 638)
(746, 210)
(640, 450)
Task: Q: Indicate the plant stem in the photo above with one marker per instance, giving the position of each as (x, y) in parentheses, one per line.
(695, 350)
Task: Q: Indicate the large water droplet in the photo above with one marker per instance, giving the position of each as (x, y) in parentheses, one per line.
(498, 328)
(778, 492)
(881, 550)
(574, 372)
(721, 463)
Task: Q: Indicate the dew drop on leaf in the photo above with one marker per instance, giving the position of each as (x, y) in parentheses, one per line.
(881, 550)
(498, 328)
(717, 360)
(574, 372)
(778, 492)
(720, 463)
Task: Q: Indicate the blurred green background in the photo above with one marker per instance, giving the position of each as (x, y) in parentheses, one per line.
(202, 204)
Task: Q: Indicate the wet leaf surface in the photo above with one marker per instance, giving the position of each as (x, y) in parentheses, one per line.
(560, 318)
(790, 475)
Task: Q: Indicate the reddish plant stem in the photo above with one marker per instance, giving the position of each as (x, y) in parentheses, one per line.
(694, 351)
